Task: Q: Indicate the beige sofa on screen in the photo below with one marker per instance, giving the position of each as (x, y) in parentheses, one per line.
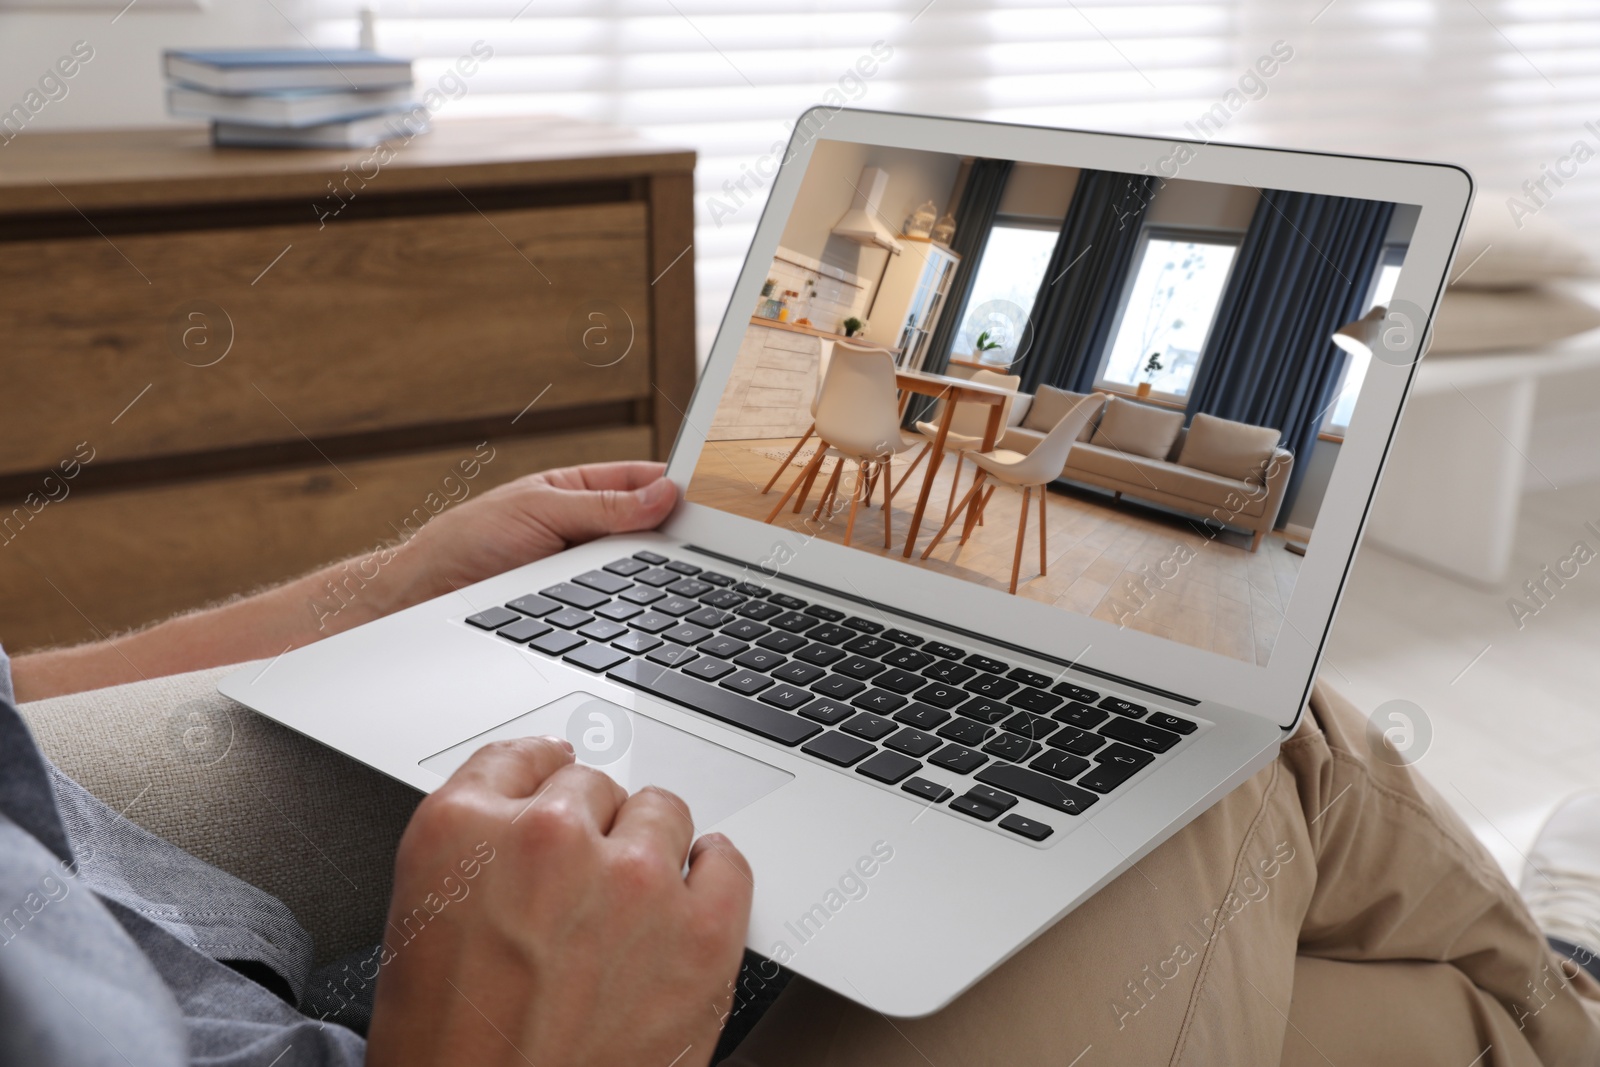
(1227, 472)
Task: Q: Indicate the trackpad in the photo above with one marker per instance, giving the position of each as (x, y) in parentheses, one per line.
(637, 751)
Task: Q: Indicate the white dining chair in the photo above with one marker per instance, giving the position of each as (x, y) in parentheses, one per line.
(1030, 471)
(858, 420)
(967, 427)
(823, 358)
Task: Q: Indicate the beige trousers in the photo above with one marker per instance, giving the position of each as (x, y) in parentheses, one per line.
(1330, 911)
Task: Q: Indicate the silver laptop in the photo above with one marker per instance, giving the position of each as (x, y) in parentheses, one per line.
(926, 769)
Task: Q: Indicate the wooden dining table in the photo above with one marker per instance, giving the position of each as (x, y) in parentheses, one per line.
(952, 391)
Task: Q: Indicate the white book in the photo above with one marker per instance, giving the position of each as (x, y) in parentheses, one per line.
(353, 133)
(248, 70)
(290, 107)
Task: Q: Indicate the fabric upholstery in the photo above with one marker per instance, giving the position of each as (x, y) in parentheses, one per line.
(1142, 473)
(1227, 448)
(1050, 405)
(1137, 429)
(1510, 253)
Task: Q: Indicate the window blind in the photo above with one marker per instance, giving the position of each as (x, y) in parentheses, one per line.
(1502, 86)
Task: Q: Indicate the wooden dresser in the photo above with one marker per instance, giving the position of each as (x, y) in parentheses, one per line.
(221, 367)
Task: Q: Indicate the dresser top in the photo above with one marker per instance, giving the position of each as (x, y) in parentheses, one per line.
(47, 172)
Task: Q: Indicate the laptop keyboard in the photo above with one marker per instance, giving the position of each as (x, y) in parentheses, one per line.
(863, 697)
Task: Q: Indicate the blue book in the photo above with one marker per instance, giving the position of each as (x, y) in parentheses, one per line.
(249, 70)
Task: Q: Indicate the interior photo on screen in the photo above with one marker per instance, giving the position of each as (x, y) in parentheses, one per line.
(1113, 393)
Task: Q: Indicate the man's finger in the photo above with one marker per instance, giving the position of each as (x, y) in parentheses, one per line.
(586, 791)
(720, 877)
(581, 515)
(516, 767)
(622, 474)
(656, 816)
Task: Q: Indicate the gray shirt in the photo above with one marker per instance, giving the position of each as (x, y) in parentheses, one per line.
(112, 941)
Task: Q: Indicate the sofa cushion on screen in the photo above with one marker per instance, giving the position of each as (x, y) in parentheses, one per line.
(1137, 429)
(1231, 449)
(1050, 405)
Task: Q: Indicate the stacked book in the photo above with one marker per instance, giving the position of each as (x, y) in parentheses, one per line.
(295, 97)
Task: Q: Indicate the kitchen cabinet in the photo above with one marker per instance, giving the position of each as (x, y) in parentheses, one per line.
(910, 298)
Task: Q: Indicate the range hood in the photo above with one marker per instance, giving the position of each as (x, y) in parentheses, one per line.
(863, 223)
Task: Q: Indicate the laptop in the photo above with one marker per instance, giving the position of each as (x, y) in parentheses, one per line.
(926, 769)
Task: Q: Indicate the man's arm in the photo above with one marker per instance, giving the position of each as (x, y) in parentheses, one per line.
(517, 523)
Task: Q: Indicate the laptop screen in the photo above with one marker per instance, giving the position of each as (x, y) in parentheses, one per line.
(1122, 395)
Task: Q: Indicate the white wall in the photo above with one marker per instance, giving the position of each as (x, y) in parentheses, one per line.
(122, 84)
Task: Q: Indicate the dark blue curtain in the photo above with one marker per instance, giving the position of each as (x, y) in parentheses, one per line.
(1076, 307)
(1304, 269)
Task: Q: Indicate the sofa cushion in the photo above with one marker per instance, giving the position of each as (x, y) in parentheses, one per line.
(1137, 429)
(1020, 439)
(1051, 405)
(1231, 449)
(1142, 476)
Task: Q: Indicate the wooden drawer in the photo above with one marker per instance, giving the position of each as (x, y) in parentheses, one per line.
(362, 325)
(106, 561)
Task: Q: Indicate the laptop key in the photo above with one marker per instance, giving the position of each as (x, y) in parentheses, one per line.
(866, 626)
(785, 696)
(533, 605)
(575, 595)
(797, 673)
(866, 645)
(569, 618)
(888, 767)
(923, 716)
(985, 710)
(601, 581)
(909, 659)
(1030, 725)
(687, 633)
(830, 634)
(784, 600)
(723, 646)
(670, 655)
(860, 667)
(958, 758)
(759, 659)
(794, 621)
(721, 581)
(746, 681)
(759, 610)
(652, 622)
(674, 605)
(709, 669)
(1104, 777)
(597, 658)
(870, 726)
(1039, 788)
(618, 611)
(945, 671)
(1011, 747)
(746, 629)
(556, 643)
(986, 663)
(1075, 692)
(655, 559)
(879, 700)
(825, 613)
(1170, 722)
(1081, 715)
(966, 731)
(524, 630)
(690, 587)
(943, 651)
(1126, 755)
(1035, 700)
(966, 805)
(750, 589)
(913, 742)
(898, 681)
(658, 576)
(1027, 677)
(930, 791)
(827, 710)
(681, 567)
(1141, 734)
(602, 630)
(941, 696)
(989, 685)
(722, 598)
(642, 594)
(821, 655)
(837, 748)
(1029, 828)
(1079, 742)
(626, 567)
(492, 618)
(1123, 707)
(780, 642)
(992, 797)
(712, 618)
(637, 643)
(1060, 765)
(721, 704)
(837, 685)
(900, 637)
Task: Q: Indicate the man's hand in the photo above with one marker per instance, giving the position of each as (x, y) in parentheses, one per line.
(577, 943)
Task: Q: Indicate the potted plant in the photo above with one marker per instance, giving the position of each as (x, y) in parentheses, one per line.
(851, 325)
(1151, 366)
(984, 345)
